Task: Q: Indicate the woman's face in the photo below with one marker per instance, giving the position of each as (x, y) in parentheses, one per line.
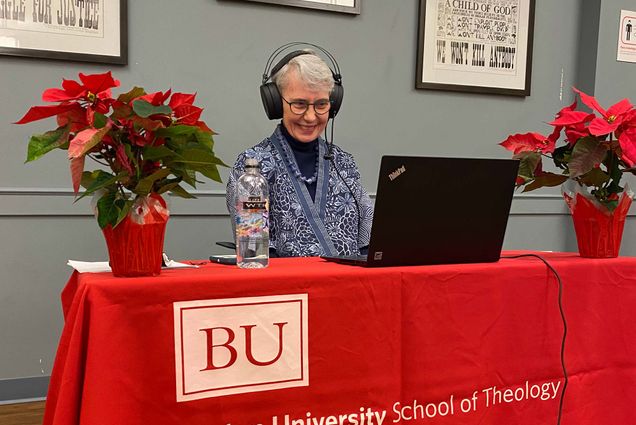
(308, 126)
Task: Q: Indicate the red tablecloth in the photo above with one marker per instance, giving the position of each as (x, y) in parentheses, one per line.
(434, 344)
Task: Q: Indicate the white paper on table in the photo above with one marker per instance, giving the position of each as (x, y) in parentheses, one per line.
(103, 266)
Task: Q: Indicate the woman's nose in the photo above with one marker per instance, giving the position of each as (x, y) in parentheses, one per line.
(309, 114)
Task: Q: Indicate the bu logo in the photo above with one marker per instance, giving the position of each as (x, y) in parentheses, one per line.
(230, 336)
(219, 352)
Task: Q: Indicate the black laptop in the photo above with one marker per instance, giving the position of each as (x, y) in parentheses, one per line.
(439, 211)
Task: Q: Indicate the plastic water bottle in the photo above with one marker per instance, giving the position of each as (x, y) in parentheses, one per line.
(252, 217)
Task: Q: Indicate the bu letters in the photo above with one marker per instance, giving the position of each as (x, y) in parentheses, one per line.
(230, 336)
(239, 345)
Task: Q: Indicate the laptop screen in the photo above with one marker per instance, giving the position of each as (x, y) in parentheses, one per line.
(431, 210)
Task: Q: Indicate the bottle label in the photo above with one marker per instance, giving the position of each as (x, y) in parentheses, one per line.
(252, 218)
(254, 203)
(252, 224)
(255, 206)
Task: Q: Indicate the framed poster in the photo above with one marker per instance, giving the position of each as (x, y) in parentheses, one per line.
(480, 46)
(345, 6)
(74, 30)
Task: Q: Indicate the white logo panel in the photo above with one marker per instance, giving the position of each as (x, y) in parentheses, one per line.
(239, 345)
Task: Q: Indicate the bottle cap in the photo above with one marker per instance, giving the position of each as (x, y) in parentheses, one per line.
(252, 163)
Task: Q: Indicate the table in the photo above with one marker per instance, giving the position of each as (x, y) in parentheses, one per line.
(449, 344)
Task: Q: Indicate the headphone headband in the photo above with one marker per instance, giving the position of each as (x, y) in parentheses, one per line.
(285, 60)
(267, 73)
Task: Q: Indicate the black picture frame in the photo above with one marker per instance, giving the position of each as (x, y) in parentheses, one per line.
(312, 4)
(85, 31)
(478, 47)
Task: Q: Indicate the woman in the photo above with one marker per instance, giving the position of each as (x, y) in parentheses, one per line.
(312, 186)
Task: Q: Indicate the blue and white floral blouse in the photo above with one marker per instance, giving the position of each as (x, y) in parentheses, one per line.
(300, 226)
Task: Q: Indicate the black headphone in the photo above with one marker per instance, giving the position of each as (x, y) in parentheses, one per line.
(272, 100)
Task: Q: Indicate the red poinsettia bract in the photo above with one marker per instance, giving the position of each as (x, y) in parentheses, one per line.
(92, 95)
(600, 146)
(528, 142)
(152, 142)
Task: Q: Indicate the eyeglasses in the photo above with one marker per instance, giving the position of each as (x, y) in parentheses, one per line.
(299, 107)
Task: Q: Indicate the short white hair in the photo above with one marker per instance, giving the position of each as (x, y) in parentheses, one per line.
(311, 70)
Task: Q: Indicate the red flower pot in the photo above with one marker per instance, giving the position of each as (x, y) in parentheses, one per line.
(598, 230)
(135, 246)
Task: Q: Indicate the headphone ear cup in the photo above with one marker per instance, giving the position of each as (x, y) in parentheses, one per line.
(272, 101)
(336, 99)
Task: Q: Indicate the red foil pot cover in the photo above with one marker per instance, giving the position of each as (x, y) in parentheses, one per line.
(598, 230)
(135, 246)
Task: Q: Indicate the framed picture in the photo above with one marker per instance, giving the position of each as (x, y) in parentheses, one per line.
(480, 46)
(345, 6)
(73, 30)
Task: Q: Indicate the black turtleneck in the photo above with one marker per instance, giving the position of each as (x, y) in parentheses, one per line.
(305, 154)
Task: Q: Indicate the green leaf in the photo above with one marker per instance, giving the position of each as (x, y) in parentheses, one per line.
(131, 156)
(198, 158)
(153, 153)
(99, 120)
(204, 138)
(177, 130)
(611, 205)
(546, 179)
(97, 180)
(211, 172)
(612, 162)
(561, 156)
(107, 211)
(132, 94)
(123, 212)
(614, 187)
(528, 162)
(587, 154)
(189, 176)
(167, 187)
(219, 161)
(595, 177)
(183, 173)
(202, 161)
(39, 144)
(121, 111)
(181, 192)
(88, 178)
(145, 185)
(145, 109)
(148, 124)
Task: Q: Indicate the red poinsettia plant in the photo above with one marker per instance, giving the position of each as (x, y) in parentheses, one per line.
(599, 147)
(150, 143)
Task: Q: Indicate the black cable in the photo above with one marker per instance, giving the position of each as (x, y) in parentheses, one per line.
(565, 325)
(329, 157)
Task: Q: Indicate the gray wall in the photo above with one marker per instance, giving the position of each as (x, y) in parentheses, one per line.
(614, 80)
(218, 48)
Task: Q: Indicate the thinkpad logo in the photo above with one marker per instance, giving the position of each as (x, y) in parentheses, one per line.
(394, 175)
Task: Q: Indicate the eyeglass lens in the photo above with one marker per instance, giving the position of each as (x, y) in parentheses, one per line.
(300, 107)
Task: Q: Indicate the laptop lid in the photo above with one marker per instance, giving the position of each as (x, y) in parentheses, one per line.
(440, 210)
